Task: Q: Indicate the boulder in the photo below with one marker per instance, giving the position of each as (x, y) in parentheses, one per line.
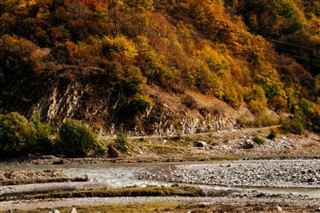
(247, 145)
(200, 144)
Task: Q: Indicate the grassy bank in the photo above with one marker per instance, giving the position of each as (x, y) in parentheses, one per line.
(109, 192)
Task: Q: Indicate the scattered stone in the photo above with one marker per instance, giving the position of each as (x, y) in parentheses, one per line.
(54, 211)
(52, 157)
(242, 174)
(173, 159)
(279, 209)
(58, 161)
(204, 204)
(73, 210)
(200, 144)
(248, 145)
(312, 179)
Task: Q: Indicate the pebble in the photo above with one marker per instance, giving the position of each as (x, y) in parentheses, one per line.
(73, 210)
(279, 209)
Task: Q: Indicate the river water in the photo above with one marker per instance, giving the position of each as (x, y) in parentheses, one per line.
(123, 175)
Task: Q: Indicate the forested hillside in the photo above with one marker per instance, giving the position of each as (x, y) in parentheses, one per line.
(100, 61)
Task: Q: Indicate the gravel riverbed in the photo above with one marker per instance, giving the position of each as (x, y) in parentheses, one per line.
(245, 173)
(264, 173)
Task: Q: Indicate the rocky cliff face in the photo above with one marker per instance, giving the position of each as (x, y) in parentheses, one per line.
(188, 113)
(85, 95)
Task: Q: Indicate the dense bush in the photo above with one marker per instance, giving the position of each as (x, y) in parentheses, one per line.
(16, 135)
(42, 143)
(295, 125)
(258, 140)
(78, 140)
(16, 57)
(139, 105)
(19, 137)
(122, 142)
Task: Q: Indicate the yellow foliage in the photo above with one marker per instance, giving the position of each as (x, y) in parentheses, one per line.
(315, 25)
(26, 3)
(204, 45)
(120, 46)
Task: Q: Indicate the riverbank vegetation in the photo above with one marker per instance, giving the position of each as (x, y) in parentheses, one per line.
(35, 142)
(19, 137)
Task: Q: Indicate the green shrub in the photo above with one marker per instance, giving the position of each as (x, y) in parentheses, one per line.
(78, 140)
(16, 134)
(256, 107)
(244, 122)
(140, 104)
(258, 140)
(295, 126)
(134, 108)
(266, 120)
(122, 142)
(42, 143)
(274, 133)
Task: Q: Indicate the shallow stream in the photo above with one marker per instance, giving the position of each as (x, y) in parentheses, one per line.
(123, 175)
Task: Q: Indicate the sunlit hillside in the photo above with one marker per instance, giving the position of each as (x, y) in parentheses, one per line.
(98, 60)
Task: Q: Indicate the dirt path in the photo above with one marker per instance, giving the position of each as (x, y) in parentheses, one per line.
(219, 133)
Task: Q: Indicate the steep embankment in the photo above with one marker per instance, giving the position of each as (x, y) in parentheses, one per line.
(160, 67)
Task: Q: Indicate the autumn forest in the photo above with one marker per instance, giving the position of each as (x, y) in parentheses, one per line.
(257, 53)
